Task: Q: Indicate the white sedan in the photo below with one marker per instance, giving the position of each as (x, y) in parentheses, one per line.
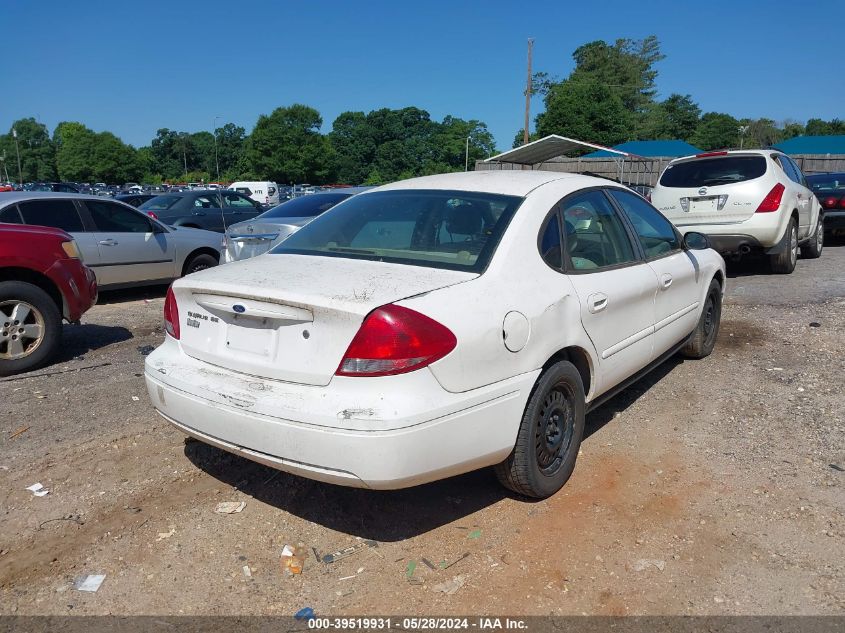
(435, 326)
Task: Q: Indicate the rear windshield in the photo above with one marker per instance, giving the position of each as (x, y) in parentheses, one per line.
(457, 230)
(707, 172)
(305, 207)
(826, 182)
(160, 203)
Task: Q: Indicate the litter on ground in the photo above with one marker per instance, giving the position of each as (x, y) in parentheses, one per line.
(230, 507)
(90, 583)
(644, 563)
(451, 586)
(164, 535)
(293, 558)
(38, 490)
(349, 551)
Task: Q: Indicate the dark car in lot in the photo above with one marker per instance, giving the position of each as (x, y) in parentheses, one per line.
(60, 187)
(209, 209)
(42, 281)
(830, 190)
(135, 199)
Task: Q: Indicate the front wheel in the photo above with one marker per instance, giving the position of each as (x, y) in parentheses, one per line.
(813, 248)
(703, 339)
(784, 262)
(30, 327)
(549, 436)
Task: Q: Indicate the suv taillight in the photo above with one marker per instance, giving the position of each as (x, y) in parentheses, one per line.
(772, 200)
(171, 314)
(395, 340)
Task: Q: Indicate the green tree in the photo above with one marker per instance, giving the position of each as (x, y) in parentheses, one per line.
(791, 129)
(287, 146)
(759, 133)
(585, 110)
(716, 131)
(674, 118)
(450, 143)
(230, 147)
(37, 153)
(114, 161)
(75, 145)
(819, 127)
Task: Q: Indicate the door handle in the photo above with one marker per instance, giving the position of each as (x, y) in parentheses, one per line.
(108, 242)
(665, 281)
(198, 213)
(596, 302)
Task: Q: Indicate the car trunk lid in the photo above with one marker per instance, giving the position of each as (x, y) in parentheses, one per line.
(291, 317)
(255, 238)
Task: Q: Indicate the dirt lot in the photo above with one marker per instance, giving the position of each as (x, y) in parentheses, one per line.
(710, 487)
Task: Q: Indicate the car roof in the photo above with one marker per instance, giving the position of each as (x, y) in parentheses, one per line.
(505, 182)
(18, 196)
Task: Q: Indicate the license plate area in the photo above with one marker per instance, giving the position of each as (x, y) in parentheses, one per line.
(251, 335)
(705, 203)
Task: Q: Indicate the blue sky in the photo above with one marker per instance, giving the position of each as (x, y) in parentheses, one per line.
(132, 68)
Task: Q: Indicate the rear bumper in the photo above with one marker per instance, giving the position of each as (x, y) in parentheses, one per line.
(834, 220)
(762, 231)
(78, 286)
(396, 431)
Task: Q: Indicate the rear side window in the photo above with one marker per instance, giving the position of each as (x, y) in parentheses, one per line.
(114, 218)
(10, 215)
(656, 234)
(826, 182)
(232, 200)
(550, 245)
(160, 203)
(457, 230)
(707, 172)
(60, 214)
(594, 234)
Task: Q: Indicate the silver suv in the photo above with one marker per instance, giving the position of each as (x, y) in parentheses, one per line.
(745, 201)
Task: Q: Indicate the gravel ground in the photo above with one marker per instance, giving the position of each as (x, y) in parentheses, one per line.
(709, 487)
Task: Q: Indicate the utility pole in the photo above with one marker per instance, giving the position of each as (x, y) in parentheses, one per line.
(525, 135)
(466, 157)
(214, 131)
(18, 152)
(184, 157)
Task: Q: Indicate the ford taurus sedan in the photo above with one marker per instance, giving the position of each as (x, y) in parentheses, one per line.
(124, 246)
(435, 326)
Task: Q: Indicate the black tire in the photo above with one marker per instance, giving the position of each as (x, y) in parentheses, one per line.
(200, 262)
(784, 262)
(812, 248)
(703, 339)
(549, 436)
(19, 352)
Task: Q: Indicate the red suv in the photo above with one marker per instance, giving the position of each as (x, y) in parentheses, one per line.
(42, 280)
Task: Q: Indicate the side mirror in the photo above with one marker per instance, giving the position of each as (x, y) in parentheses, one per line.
(694, 241)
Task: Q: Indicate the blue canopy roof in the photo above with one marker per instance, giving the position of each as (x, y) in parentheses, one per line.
(813, 145)
(650, 149)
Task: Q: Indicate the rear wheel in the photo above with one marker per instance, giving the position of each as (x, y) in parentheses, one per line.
(784, 262)
(549, 436)
(30, 327)
(703, 339)
(200, 262)
(813, 248)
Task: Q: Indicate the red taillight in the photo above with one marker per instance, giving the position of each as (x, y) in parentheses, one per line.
(842, 203)
(707, 154)
(830, 202)
(152, 215)
(395, 340)
(171, 314)
(772, 200)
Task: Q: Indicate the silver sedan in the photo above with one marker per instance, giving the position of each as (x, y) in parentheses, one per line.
(124, 246)
(258, 235)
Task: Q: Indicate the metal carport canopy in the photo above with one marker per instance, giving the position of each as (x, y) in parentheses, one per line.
(546, 148)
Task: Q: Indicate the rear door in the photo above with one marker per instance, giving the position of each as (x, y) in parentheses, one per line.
(62, 214)
(676, 304)
(804, 195)
(132, 248)
(615, 287)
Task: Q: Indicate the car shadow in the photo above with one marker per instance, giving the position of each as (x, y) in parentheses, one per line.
(748, 266)
(387, 516)
(87, 337)
(108, 297)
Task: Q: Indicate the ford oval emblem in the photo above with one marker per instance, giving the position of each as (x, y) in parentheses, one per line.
(239, 308)
(702, 191)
